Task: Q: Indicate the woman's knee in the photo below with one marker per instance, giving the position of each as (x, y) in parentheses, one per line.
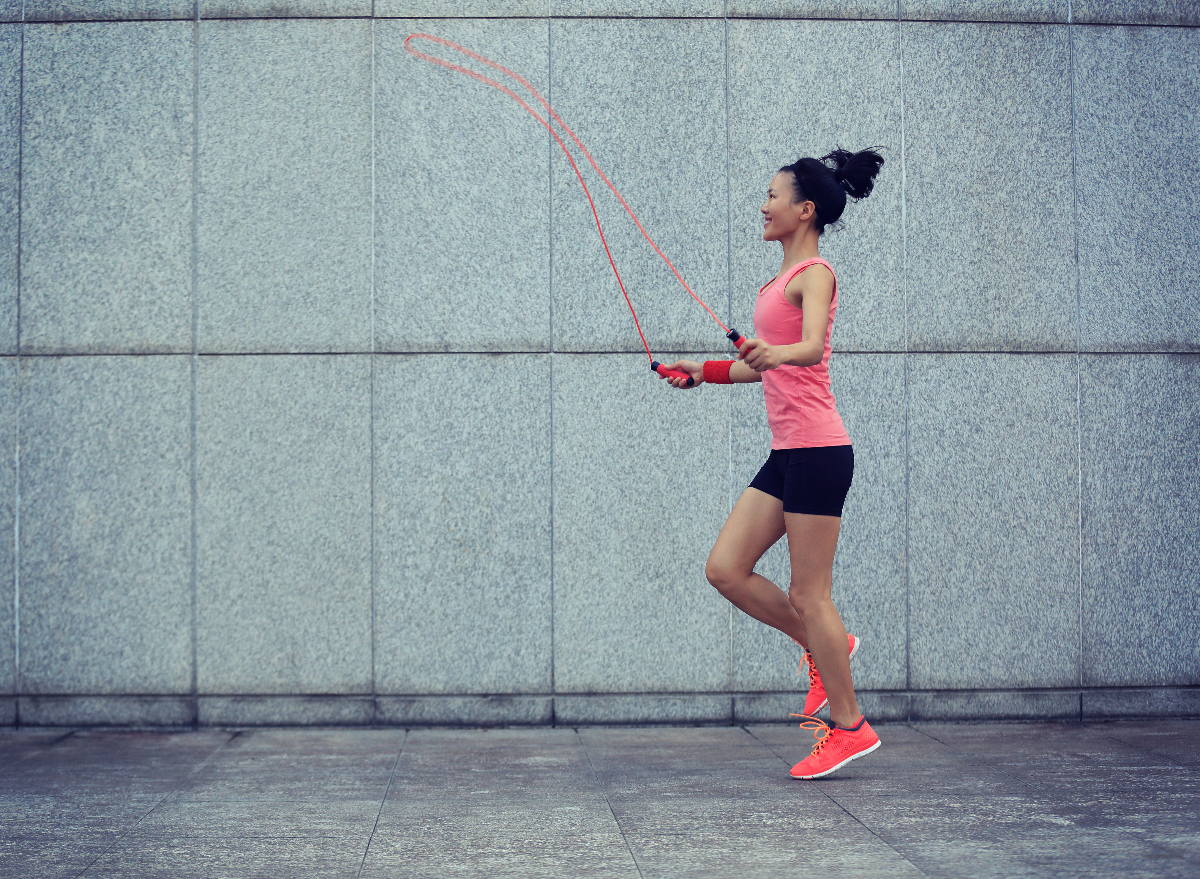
(723, 576)
(805, 599)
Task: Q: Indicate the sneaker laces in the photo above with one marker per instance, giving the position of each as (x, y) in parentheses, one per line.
(820, 729)
(813, 677)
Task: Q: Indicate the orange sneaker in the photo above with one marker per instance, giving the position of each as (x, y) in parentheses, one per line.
(835, 747)
(816, 699)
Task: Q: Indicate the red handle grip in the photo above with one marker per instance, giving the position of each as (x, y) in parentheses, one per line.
(737, 338)
(671, 373)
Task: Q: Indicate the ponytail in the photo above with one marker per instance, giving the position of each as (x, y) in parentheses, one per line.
(827, 181)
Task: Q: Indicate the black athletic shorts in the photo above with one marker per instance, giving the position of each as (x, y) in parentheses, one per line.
(813, 481)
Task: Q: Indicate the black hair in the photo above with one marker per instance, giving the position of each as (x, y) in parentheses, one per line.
(827, 181)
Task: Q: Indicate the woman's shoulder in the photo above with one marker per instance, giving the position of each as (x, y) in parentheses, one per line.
(811, 275)
(811, 267)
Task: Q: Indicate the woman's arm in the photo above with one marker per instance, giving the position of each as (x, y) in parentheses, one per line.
(739, 373)
(811, 290)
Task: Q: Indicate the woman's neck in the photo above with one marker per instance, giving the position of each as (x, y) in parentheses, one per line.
(799, 246)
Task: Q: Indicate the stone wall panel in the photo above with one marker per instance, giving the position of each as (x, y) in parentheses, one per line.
(284, 188)
(647, 98)
(105, 545)
(1140, 452)
(993, 521)
(989, 187)
(1136, 111)
(106, 189)
(283, 524)
(462, 524)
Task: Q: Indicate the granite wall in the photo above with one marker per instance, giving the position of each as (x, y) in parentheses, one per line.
(320, 404)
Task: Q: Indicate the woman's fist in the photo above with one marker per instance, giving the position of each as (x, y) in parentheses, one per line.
(691, 367)
(760, 356)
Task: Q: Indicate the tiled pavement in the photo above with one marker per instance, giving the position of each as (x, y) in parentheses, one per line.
(956, 800)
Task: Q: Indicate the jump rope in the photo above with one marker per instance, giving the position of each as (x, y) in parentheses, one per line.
(730, 333)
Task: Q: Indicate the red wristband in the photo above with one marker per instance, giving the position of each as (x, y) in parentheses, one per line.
(716, 372)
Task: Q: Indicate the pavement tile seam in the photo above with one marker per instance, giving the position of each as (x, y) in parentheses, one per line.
(1005, 800)
(1139, 743)
(600, 787)
(1035, 794)
(126, 833)
(382, 803)
(852, 816)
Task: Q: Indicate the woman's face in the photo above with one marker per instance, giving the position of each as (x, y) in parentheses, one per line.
(781, 216)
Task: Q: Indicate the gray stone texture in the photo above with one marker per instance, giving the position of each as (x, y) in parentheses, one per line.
(1176, 12)
(255, 856)
(1041, 11)
(106, 203)
(1136, 107)
(374, 545)
(989, 187)
(284, 710)
(885, 9)
(462, 243)
(10, 150)
(285, 8)
(995, 705)
(8, 497)
(459, 9)
(779, 707)
(868, 575)
(611, 80)
(154, 711)
(707, 708)
(230, 819)
(1140, 457)
(993, 521)
(108, 10)
(638, 8)
(284, 189)
(1127, 702)
(464, 710)
(462, 524)
(105, 545)
(283, 524)
(776, 116)
(640, 492)
(514, 818)
(937, 799)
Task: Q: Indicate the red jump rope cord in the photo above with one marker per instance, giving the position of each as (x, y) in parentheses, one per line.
(545, 124)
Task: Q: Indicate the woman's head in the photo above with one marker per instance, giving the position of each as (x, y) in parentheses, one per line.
(827, 182)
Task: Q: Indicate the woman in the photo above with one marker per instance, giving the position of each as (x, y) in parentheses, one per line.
(801, 488)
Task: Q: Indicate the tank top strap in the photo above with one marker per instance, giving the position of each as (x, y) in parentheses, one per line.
(781, 282)
(801, 266)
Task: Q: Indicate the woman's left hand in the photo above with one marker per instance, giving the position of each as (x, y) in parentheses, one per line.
(760, 356)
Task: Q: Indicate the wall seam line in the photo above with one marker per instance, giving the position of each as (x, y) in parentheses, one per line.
(371, 394)
(20, 385)
(1078, 344)
(195, 365)
(904, 285)
(550, 291)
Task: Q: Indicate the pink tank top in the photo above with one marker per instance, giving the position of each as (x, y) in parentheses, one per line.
(800, 405)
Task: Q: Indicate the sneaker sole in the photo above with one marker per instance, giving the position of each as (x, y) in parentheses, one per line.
(857, 644)
(862, 753)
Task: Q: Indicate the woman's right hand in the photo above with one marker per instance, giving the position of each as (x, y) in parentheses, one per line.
(691, 367)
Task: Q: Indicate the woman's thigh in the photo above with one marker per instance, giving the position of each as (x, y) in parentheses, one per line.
(812, 543)
(753, 527)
